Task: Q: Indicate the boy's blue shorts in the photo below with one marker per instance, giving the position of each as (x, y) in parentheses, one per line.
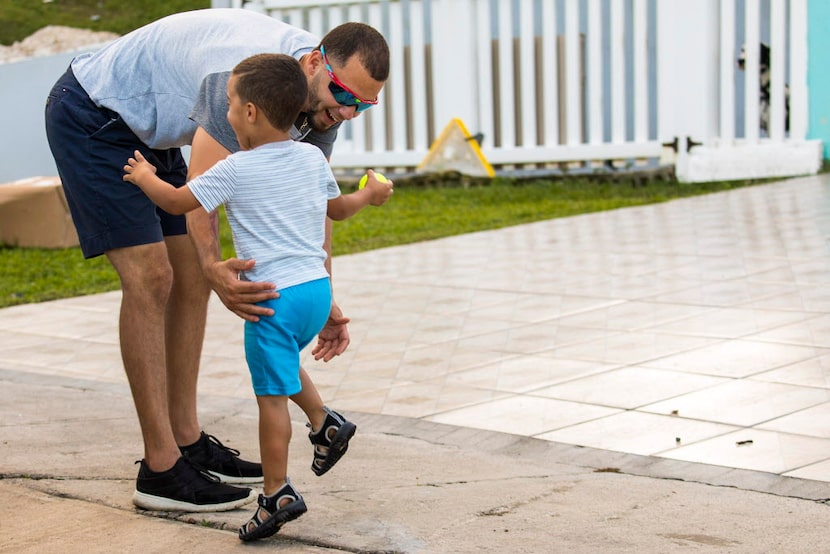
(273, 344)
(91, 146)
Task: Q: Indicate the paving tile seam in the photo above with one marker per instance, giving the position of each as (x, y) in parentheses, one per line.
(52, 336)
(562, 454)
(180, 517)
(795, 342)
(643, 361)
(283, 538)
(733, 428)
(590, 458)
(642, 409)
(764, 381)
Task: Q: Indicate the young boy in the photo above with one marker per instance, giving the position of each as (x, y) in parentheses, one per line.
(277, 193)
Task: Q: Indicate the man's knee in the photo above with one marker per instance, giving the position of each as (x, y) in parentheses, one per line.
(143, 272)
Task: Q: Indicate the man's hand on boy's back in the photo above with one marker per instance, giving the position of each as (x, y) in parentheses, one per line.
(237, 295)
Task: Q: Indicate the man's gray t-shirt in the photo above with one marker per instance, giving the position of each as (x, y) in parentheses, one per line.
(212, 106)
(152, 77)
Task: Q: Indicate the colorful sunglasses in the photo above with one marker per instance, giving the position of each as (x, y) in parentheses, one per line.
(342, 94)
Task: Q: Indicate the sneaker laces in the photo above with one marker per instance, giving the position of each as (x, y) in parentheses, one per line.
(215, 446)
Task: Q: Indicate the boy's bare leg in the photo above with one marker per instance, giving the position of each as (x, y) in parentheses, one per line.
(309, 401)
(280, 501)
(274, 437)
(332, 341)
(331, 443)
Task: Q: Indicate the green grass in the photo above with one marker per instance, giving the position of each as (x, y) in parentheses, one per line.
(21, 18)
(413, 214)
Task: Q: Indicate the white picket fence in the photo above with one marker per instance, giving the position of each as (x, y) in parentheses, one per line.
(580, 83)
(711, 109)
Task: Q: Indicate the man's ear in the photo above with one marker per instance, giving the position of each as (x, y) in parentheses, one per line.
(251, 112)
(312, 62)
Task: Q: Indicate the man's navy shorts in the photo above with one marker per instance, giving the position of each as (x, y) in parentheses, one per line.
(91, 145)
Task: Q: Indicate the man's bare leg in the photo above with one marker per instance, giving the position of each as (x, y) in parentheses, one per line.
(185, 323)
(185, 332)
(146, 279)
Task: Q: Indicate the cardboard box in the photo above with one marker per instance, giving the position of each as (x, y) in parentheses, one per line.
(34, 214)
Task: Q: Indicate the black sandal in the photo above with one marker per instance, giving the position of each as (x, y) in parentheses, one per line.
(273, 512)
(331, 441)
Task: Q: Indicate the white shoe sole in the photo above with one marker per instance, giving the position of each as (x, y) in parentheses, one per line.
(235, 480)
(161, 504)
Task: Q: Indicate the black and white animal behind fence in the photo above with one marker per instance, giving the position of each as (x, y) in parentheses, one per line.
(764, 77)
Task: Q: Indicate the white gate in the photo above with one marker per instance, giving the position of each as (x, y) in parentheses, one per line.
(730, 122)
(581, 84)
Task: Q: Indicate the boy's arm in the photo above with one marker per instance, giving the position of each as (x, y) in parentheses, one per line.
(375, 193)
(142, 173)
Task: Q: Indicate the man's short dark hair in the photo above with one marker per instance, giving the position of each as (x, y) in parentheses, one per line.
(274, 83)
(348, 39)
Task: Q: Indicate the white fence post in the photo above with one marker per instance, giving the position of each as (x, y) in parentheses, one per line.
(727, 72)
(687, 87)
(762, 148)
(798, 72)
(454, 62)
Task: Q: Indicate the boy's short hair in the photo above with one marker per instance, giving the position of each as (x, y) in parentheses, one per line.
(274, 83)
(348, 39)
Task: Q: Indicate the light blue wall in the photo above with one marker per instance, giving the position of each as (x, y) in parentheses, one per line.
(24, 151)
(818, 77)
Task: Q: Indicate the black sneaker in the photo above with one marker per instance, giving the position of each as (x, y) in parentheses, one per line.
(331, 441)
(222, 462)
(184, 488)
(273, 512)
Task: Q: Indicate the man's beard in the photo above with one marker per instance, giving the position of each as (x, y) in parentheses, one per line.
(317, 117)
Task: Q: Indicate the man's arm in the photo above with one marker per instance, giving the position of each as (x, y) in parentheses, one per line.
(240, 297)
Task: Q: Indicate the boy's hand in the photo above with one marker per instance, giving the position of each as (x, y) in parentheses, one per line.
(138, 168)
(379, 192)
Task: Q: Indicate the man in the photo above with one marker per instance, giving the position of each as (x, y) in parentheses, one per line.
(154, 90)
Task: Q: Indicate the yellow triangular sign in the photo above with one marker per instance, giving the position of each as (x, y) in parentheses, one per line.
(456, 150)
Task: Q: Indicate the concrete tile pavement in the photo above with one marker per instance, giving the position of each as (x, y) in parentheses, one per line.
(406, 485)
(698, 328)
(685, 340)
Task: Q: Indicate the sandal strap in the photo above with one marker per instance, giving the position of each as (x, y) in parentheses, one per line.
(275, 516)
